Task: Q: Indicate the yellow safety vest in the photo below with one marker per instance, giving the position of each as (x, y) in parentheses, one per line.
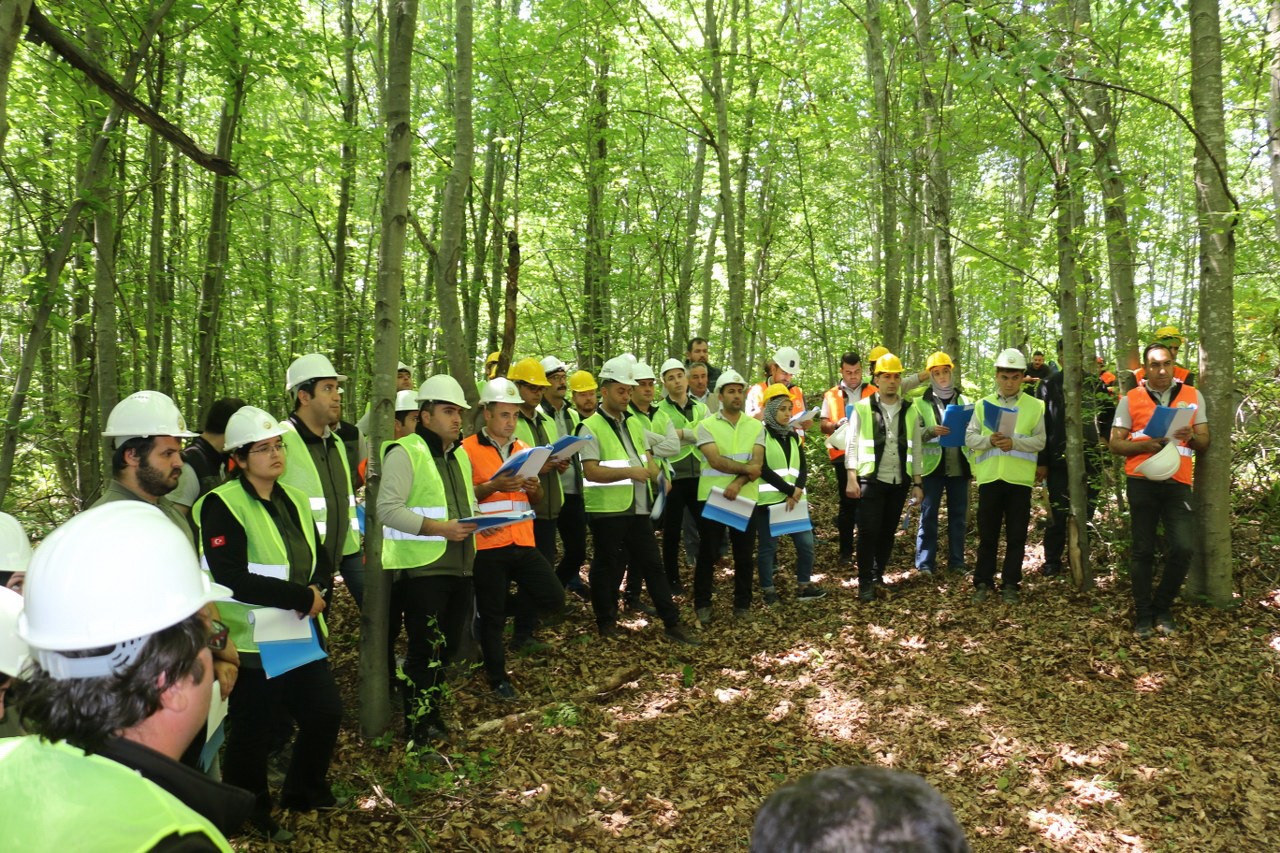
(620, 496)
(733, 442)
(1012, 466)
(300, 472)
(426, 498)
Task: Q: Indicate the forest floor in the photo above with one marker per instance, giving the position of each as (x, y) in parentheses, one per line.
(1047, 725)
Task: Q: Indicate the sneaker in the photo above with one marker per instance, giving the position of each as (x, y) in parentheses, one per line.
(741, 612)
(867, 595)
(1010, 595)
(635, 605)
(704, 615)
(1051, 571)
(681, 634)
(1165, 624)
(925, 572)
(270, 829)
(770, 596)
(810, 592)
(959, 568)
(504, 691)
(1142, 627)
(981, 593)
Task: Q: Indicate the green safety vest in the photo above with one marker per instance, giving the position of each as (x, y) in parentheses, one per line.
(867, 437)
(58, 798)
(733, 442)
(667, 412)
(619, 496)
(426, 498)
(931, 452)
(303, 475)
(786, 466)
(524, 432)
(267, 554)
(1012, 466)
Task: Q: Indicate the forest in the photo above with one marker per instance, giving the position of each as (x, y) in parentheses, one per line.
(198, 192)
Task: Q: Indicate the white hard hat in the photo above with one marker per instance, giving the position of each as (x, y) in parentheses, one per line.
(143, 415)
(671, 364)
(1011, 359)
(442, 388)
(402, 366)
(14, 653)
(500, 390)
(110, 577)
(788, 358)
(308, 367)
(617, 370)
(1162, 464)
(730, 377)
(641, 370)
(15, 548)
(249, 425)
(406, 401)
(551, 364)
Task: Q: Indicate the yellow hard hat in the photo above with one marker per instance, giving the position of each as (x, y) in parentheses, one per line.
(493, 358)
(528, 370)
(888, 363)
(777, 389)
(876, 353)
(582, 380)
(938, 359)
(1170, 334)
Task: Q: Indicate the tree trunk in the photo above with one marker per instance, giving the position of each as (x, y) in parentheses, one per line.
(13, 23)
(594, 337)
(1211, 573)
(375, 704)
(1273, 109)
(342, 350)
(887, 178)
(684, 285)
(732, 246)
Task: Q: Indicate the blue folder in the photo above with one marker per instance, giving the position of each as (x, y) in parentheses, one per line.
(955, 418)
(281, 656)
(715, 513)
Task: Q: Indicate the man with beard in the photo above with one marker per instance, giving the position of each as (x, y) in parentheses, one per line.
(147, 430)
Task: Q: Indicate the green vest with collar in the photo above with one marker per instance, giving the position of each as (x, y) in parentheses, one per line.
(1012, 466)
(300, 472)
(621, 495)
(733, 442)
(426, 498)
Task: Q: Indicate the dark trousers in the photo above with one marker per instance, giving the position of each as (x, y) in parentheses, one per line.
(544, 538)
(1154, 504)
(435, 609)
(710, 535)
(538, 593)
(956, 490)
(572, 524)
(352, 570)
(879, 511)
(1008, 506)
(683, 495)
(619, 539)
(1059, 486)
(847, 516)
(310, 697)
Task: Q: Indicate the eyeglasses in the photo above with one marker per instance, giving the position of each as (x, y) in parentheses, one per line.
(218, 635)
(271, 448)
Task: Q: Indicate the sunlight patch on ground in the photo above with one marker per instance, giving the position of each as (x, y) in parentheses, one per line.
(1093, 792)
(1275, 644)
(1150, 682)
(835, 714)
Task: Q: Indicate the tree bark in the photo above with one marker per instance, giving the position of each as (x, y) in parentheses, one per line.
(596, 314)
(887, 181)
(734, 318)
(343, 351)
(13, 22)
(1273, 108)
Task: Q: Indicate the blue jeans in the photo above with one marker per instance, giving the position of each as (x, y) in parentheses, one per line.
(768, 547)
(957, 491)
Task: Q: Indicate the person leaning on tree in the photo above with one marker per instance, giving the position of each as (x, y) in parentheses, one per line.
(1005, 468)
(946, 469)
(876, 454)
(1158, 486)
(835, 403)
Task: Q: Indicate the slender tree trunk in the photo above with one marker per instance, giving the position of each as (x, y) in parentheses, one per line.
(1273, 108)
(732, 247)
(886, 173)
(708, 278)
(343, 352)
(692, 216)
(1211, 573)
(13, 23)
(594, 337)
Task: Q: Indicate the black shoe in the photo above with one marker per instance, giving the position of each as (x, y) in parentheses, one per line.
(530, 646)
(1010, 595)
(328, 801)
(810, 592)
(270, 829)
(504, 691)
(681, 634)
(982, 593)
(1142, 627)
(1165, 624)
(868, 595)
(637, 606)
(1051, 571)
(609, 631)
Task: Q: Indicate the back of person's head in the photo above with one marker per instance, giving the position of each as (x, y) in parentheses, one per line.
(220, 412)
(857, 810)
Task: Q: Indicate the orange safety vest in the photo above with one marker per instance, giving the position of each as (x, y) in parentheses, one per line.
(833, 410)
(485, 462)
(1141, 407)
(1180, 373)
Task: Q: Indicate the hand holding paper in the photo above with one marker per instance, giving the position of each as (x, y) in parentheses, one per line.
(566, 447)
(804, 418)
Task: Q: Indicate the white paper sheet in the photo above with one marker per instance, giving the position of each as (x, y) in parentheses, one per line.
(217, 710)
(272, 623)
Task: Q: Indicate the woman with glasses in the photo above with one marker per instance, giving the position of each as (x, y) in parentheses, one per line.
(257, 537)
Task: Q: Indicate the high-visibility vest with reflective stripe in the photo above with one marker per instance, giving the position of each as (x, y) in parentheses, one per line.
(426, 498)
(266, 549)
(619, 496)
(1012, 466)
(867, 436)
(1141, 408)
(931, 452)
(786, 466)
(733, 442)
(524, 433)
(485, 462)
(300, 472)
(668, 412)
(58, 798)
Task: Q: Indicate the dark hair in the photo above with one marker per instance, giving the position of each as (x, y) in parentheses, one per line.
(220, 412)
(857, 810)
(309, 386)
(86, 711)
(1161, 344)
(851, 358)
(401, 414)
(1037, 353)
(693, 341)
(140, 445)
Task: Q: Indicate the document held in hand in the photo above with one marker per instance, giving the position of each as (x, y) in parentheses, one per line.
(956, 418)
(783, 520)
(1166, 420)
(568, 446)
(525, 464)
(732, 513)
(281, 656)
(804, 417)
(999, 419)
(498, 519)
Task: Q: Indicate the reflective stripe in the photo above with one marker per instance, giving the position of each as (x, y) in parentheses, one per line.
(1016, 454)
(319, 505)
(784, 473)
(738, 457)
(1183, 450)
(489, 507)
(607, 463)
(269, 570)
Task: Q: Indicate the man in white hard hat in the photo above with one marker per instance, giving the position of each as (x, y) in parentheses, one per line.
(572, 521)
(679, 413)
(506, 554)
(1159, 497)
(1004, 464)
(425, 491)
(836, 403)
(320, 465)
(146, 429)
(204, 462)
(781, 368)
(617, 471)
(120, 684)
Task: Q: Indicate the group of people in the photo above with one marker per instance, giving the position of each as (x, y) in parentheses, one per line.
(270, 510)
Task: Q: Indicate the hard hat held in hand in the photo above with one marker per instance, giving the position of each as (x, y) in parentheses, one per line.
(500, 390)
(617, 370)
(442, 388)
(309, 367)
(788, 359)
(1162, 464)
(143, 415)
(528, 370)
(15, 547)
(250, 425)
(115, 573)
(1011, 359)
(582, 380)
